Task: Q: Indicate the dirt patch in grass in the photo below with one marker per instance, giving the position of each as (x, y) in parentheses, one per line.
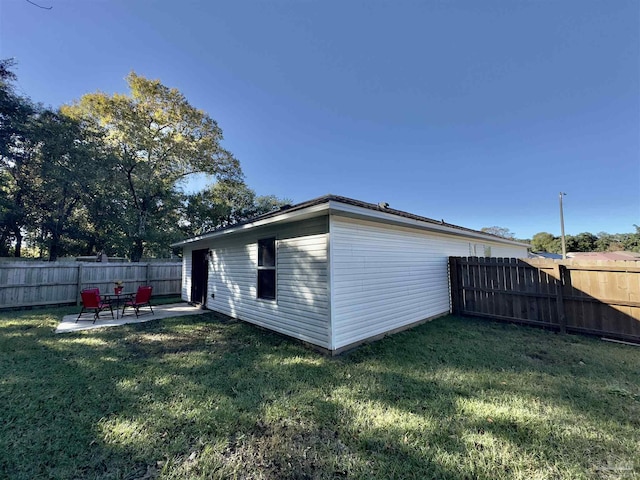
(290, 450)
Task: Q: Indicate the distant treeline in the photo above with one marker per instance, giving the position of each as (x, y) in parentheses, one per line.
(583, 242)
(587, 242)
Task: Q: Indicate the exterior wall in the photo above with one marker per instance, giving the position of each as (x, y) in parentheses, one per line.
(301, 308)
(506, 251)
(385, 277)
(495, 250)
(186, 274)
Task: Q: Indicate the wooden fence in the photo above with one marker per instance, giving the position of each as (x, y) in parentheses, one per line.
(25, 284)
(601, 298)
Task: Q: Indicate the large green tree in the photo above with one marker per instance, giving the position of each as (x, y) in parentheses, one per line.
(46, 166)
(66, 166)
(499, 231)
(631, 241)
(545, 242)
(157, 138)
(588, 242)
(224, 203)
(583, 242)
(16, 115)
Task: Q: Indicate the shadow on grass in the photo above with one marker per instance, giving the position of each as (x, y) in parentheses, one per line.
(208, 397)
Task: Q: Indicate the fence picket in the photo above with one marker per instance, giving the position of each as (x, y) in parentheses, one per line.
(596, 297)
(24, 284)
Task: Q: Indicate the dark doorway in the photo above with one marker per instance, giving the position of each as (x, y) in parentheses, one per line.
(199, 276)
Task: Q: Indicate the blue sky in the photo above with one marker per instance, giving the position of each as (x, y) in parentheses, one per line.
(478, 112)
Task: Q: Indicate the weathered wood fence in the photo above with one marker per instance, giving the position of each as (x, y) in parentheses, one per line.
(25, 284)
(601, 298)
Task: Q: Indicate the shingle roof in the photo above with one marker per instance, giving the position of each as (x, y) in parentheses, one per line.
(382, 207)
(629, 256)
(401, 213)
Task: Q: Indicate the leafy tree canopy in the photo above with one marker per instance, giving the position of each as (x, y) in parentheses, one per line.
(104, 173)
(587, 242)
(545, 242)
(156, 138)
(499, 231)
(225, 203)
(17, 115)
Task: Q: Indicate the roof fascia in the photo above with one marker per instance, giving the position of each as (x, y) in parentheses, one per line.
(284, 217)
(393, 219)
(353, 211)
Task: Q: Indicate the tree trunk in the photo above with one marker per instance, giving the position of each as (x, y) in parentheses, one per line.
(4, 244)
(91, 247)
(54, 246)
(137, 249)
(18, 250)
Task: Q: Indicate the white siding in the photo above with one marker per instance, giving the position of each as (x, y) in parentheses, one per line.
(301, 309)
(186, 274)
(385, 277)
(495, 250)
(508, 251)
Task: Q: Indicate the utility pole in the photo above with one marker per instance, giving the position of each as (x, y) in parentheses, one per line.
(564, 242)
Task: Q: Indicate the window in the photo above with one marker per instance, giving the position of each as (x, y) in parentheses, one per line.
(267, 268)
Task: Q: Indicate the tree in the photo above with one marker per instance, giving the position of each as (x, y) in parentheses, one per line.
(225, 203)
(66, 165)
(588, 242)
(157, 139)
(499, 231)
(545, 242)
(604, 241)
(16, 128)
(6, 206)
(46, 169)
(631, 241)
(584, 242)
(268, 203)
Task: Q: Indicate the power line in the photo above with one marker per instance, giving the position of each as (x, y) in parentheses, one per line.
(39, 6)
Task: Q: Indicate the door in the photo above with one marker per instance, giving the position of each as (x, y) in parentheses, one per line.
(199, 276)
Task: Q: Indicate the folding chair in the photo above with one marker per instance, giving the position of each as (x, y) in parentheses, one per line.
(142, 299)
(92, 302)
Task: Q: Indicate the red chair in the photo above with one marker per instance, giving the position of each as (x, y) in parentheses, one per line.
(91, 302)
(142, 299)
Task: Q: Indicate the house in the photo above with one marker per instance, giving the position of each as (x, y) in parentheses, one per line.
(333, 271)
(552, 256)
(605, 256)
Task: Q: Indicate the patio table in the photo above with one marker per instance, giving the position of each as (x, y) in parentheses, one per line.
(117, 299)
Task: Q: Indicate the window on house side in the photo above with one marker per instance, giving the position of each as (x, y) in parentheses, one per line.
(267, 268)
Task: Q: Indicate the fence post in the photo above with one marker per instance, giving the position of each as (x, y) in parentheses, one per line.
(454, 285)
(562, 318)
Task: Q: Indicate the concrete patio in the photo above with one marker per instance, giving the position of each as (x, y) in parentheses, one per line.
(69, 324)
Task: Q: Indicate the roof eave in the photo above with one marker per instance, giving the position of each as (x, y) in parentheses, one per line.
(285, 216)
(331, 205)
(391, 218)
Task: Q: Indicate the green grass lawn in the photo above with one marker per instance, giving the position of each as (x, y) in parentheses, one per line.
(209, 397)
